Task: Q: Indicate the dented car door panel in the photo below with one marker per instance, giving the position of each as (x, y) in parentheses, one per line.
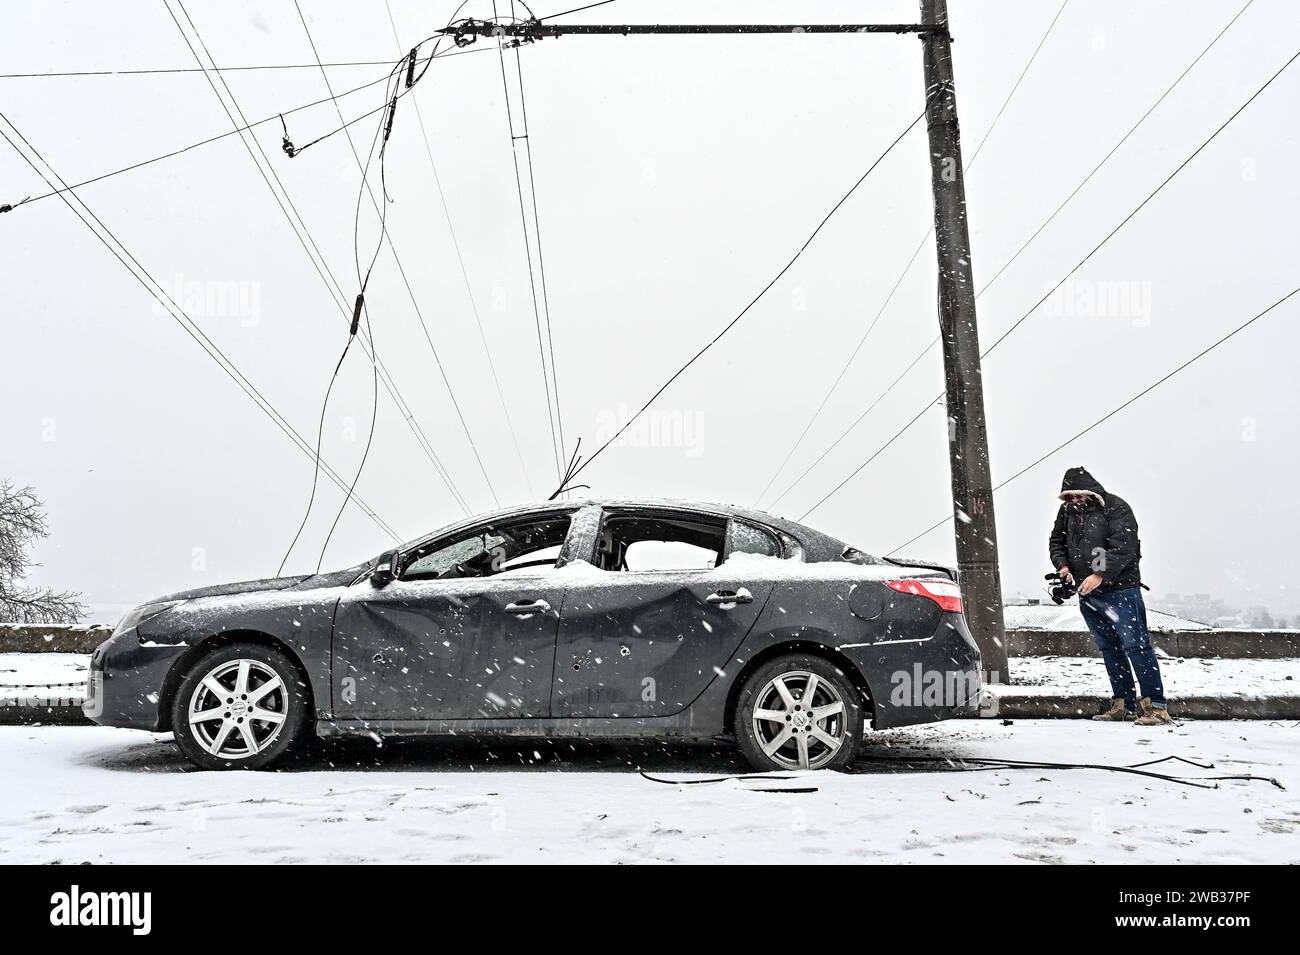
(446, 649)
(648, 644)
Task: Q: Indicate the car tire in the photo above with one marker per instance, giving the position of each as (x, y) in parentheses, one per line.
(259, 714)
(769, 726)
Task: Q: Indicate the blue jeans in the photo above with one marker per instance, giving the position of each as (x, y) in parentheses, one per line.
(1118, 623)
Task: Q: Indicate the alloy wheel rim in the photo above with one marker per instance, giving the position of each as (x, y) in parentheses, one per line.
(799, 720)
(238, 709)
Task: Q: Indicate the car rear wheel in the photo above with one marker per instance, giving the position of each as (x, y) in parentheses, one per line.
(239, 707)
(799, 712)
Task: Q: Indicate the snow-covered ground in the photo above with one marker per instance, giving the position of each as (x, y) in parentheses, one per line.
(82, 794)
(1182, 676)
(29, 668)
(39, 678)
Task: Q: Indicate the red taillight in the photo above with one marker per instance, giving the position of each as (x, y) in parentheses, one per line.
(939, 589)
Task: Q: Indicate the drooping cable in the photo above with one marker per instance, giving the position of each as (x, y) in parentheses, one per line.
(320, 436)
(362, 308)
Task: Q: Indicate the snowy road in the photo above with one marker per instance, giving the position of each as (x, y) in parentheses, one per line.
(80, 794)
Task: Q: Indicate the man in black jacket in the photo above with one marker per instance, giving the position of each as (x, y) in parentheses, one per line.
(1095, 543)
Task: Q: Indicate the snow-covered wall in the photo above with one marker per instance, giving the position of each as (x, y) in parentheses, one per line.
(55, 638)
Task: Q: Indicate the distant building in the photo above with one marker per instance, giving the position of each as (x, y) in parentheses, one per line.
(1033, 613)
(1196, 607)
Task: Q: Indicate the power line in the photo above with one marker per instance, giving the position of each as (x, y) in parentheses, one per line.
(537, 232)
(936, 339)
(177, 314)
(906, 268)
(1180, 167)
(191, 69)
(528, 254)
(386, 237)
(1110, 414)
(754, 301)
(231, 132)
(1122, 140)
(389, 383)
(163, 71)
(460, 259)
(858, 420)
(322, 268)
(1018, 322)
(373, 351)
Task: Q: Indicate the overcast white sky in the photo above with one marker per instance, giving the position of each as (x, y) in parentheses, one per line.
(675, 176)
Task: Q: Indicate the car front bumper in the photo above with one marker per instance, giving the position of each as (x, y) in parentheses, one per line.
(126, 682)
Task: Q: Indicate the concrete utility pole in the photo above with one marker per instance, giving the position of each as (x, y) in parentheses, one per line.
(968, 443)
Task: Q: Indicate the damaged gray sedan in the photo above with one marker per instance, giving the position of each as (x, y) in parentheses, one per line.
(611, 619)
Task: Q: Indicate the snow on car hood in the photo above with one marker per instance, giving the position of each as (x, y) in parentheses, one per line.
(336, 578)
(239, 587)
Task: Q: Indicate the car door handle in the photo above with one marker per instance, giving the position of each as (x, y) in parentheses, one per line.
(727, 598)
(524, 609)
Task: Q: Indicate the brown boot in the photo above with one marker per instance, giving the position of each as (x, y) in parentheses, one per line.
(1148, 715)
(1116, 713)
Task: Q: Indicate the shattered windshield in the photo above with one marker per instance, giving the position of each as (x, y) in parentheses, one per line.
(492, 549)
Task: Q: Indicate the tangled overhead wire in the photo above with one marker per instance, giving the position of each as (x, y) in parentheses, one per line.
(574, 466)
(410, 62)
(466, 32)
(287, 144)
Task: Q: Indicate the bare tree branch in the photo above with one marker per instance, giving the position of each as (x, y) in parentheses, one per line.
(22, 523)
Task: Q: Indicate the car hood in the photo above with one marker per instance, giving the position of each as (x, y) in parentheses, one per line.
(336, 578)
(239, 587)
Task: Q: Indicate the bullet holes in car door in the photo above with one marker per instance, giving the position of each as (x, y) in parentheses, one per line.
(647, 637)
(466, 630)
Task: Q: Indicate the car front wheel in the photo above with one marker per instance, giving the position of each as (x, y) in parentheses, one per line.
(239, 707)
(798, 712)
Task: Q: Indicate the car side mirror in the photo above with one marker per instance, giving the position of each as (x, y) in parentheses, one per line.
(385, 569)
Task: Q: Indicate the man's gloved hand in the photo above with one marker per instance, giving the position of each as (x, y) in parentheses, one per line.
(1090, 583)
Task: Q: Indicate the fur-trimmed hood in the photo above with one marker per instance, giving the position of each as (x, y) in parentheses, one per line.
(1078, 480)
